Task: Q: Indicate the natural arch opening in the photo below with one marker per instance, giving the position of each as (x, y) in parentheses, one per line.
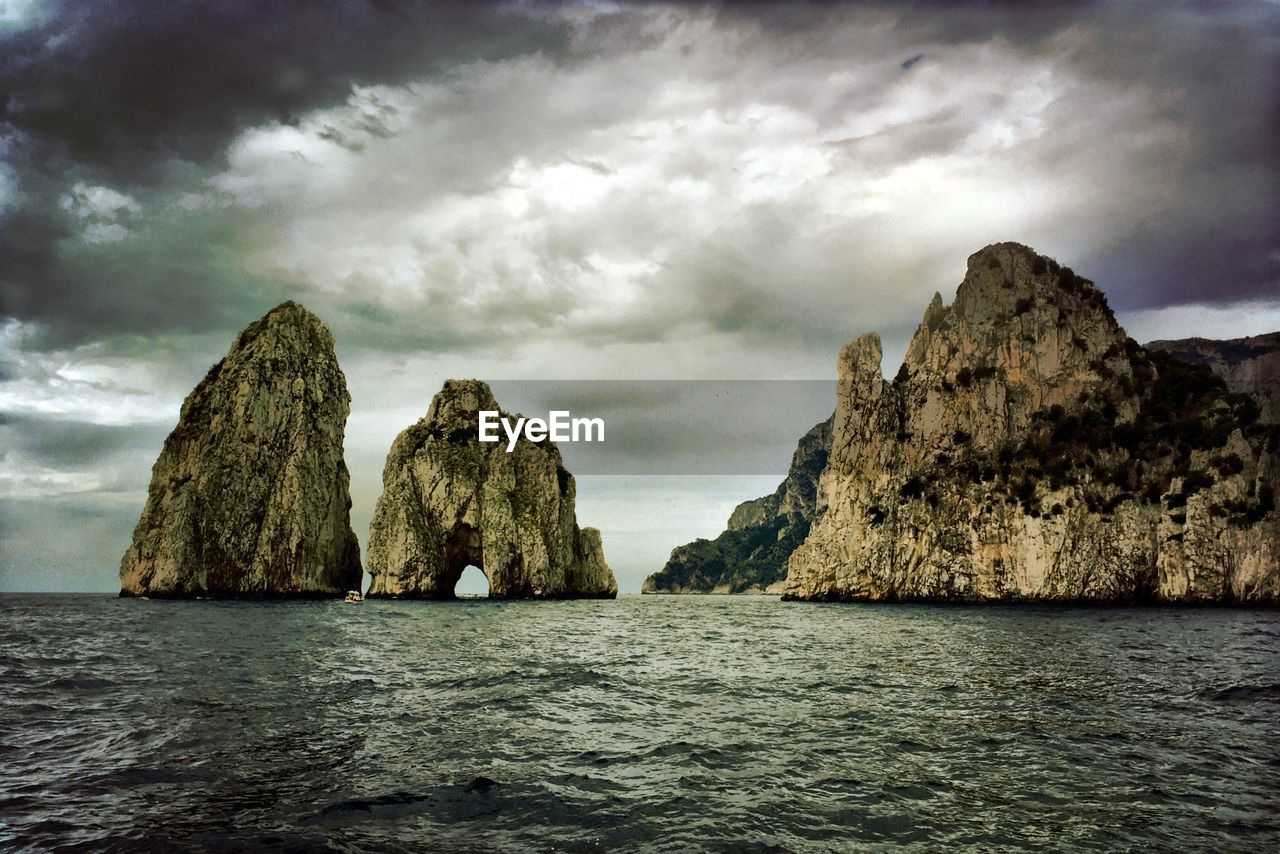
(472, 584)
(464, 557)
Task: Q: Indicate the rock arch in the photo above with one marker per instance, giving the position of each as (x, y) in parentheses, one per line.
(463, 547)
(450, 500)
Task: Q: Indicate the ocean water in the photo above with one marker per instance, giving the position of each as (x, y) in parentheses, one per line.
(648, 724)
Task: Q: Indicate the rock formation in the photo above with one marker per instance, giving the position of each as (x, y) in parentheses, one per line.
(1247, 365)
(249, 497)
(750, 556)
(450, 501)
(1029, 450)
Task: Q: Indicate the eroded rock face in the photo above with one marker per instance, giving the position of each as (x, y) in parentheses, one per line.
(249, 497)
(450, 501)
(1248, 365)
(751, 555)
(1028, 449)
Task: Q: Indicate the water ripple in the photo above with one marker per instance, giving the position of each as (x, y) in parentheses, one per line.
(653, 724)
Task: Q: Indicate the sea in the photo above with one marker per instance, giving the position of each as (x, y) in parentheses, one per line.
(655, 723)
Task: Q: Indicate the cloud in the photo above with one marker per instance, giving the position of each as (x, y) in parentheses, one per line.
(127, 85)
(9, 192)
(126, 383)
(624, 173)
(690, 177)
(18, 14)
(101, 208)
(1204, 321)
(10, 188)
(102, 203)
(123, 95)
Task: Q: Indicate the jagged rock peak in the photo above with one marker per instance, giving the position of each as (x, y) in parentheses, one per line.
(250, 494)
(1022, 333)
(288, 314)
(450, 501)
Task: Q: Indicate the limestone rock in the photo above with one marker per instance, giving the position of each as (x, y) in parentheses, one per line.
(1028, 450)
(1248, 365)
(249, 497)
(750, 556)
(450, 501)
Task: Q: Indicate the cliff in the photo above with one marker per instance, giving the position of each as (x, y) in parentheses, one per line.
(450, 501)
(1247, 365)
(750, 556)
(249, 497)
(1028, 450)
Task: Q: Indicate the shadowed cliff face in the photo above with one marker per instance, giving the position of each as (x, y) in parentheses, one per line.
(751, 555)
(1027, 449)
(1247, 365)
(450, 501)
(249, 496)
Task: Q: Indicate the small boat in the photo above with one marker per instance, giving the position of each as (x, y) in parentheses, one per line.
(353, 596)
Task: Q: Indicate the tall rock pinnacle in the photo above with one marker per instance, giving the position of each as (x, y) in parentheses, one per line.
(450, 501)
(249, 497)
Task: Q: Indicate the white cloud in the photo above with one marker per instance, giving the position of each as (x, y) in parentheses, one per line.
(104, 232)
(693, 175)
(101, 209)
(87, 384)
(1203, 321)
(94, 202)
(18, 14)
(21, 477)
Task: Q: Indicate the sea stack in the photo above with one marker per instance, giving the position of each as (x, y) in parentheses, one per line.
(450, 501)
(249, 497)
(1029, 450)
(750, 555)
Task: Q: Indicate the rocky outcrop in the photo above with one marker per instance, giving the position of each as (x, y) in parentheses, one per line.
(1028, 450)
(1248, 365)
(750, 556)
(249, 497)
(450, 501)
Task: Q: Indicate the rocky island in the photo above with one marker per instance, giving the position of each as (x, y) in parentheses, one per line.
(249, 497)
(450, 501)
(1029, 450)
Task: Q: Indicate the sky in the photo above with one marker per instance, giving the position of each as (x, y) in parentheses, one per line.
(580, 191)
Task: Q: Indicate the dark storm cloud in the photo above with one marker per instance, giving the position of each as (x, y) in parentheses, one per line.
(62, 444)
(141, 96)
(1218, 240)
(128, 85)
(180, 277)
(146, 99)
